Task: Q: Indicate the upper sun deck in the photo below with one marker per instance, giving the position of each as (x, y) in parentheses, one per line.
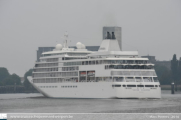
(114, 54)
(65, 52)
(109, 48)
(84, 55)
(57, 52)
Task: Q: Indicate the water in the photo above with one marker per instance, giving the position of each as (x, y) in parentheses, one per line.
(36, 103)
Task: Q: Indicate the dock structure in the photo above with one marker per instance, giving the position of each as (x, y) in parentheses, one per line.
(12, 89)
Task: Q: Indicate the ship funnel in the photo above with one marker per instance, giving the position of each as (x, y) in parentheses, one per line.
(113, 33)
(111, 39)
(113, 36)
(108, 35)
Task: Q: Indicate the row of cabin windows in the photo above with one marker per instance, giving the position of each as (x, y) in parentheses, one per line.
(70, 68)
(68, 86)
(77, 54)
(47, 86)
(45, 69)
(47, 80)
(69, 54)
(46, 65)
(131, 73)
(96, 79)
(71, 58)
(128, 67)
(118, 79)
(136, 85)
(95, 62)
(44, 55)
(137, 79)
(57, 74)
(54, 80)
(49, 60)
(56, 69)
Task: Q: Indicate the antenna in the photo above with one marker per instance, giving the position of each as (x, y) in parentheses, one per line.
(66, 38)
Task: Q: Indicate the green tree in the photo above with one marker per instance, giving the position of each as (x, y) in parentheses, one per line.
(12, 79)
(179, 71)
(26, 83)
(166, 77)
(174, 69)
(164, 74)
(3, 75)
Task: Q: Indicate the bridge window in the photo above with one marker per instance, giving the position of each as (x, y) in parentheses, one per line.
(116, 85)
(131, 85)
(147, 79)
(130, 79)
(140, 85)
(149, 85)
(118, 79)
(155, 79)
(138, 79)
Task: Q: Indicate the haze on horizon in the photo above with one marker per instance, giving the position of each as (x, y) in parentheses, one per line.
(150, 26)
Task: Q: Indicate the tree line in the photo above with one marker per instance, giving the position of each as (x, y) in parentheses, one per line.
(176, 71)
(7, 79)
(173, 75)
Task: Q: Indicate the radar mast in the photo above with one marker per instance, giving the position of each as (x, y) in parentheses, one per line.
(66, 39)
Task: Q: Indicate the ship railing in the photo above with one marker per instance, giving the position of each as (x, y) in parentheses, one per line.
(147, 80)
(91, 80)
(130, 80)
(139, 80)
(82, 81)
(96, 81)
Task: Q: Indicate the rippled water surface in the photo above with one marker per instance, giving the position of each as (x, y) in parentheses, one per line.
(36, 103)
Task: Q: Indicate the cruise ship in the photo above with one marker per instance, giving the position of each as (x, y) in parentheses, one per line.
(107, 73)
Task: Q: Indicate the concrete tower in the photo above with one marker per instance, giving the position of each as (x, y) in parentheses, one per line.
(113, 32)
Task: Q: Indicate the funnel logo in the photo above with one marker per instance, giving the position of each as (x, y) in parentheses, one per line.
(3, 116)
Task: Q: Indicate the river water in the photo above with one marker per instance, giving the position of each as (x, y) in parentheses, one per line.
(37, 103)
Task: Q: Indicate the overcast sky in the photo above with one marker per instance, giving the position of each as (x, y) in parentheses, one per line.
(150, 26)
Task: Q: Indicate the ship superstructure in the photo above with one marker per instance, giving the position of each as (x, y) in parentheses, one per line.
(108, 73)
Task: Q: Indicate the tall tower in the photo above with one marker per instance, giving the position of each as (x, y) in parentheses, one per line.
(116, 31)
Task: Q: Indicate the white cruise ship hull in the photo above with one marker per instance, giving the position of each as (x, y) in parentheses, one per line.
(107, 73)
(97, 90)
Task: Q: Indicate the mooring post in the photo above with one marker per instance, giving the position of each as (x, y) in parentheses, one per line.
(172, 88)
(15, 88)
